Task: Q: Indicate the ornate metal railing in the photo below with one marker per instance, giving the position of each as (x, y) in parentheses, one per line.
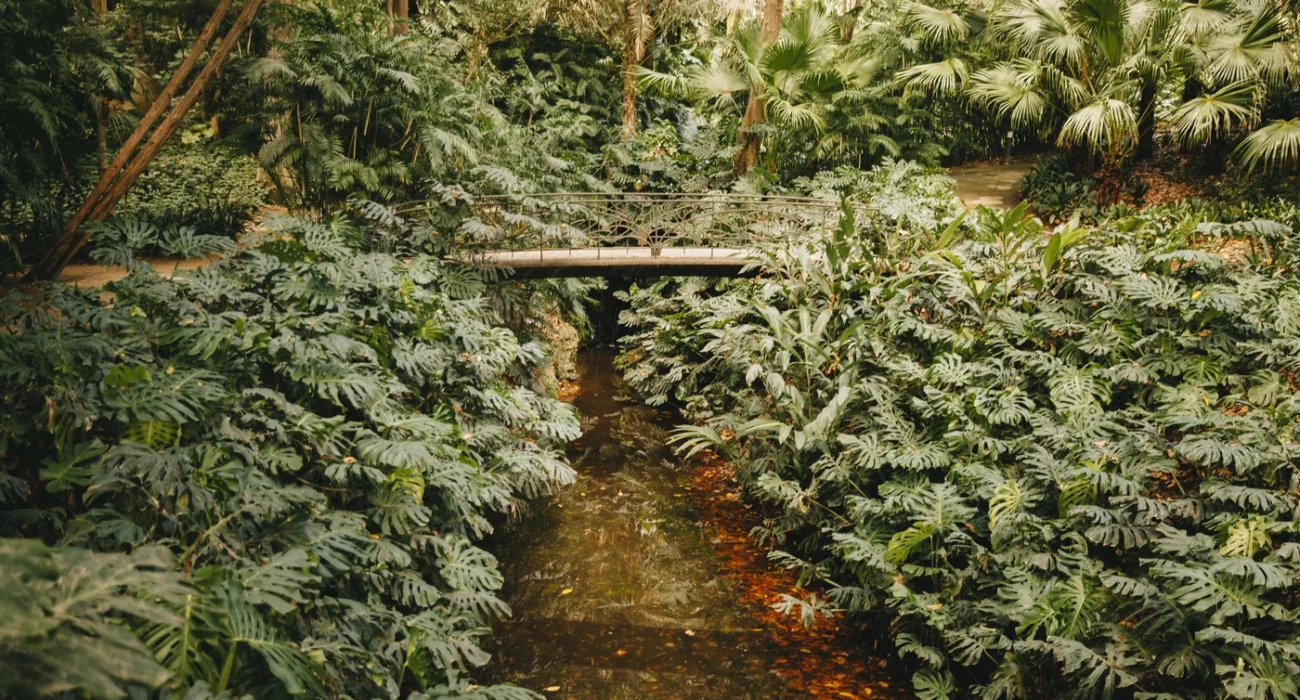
(571, 220)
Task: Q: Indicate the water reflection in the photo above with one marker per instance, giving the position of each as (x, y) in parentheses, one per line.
(614, 593)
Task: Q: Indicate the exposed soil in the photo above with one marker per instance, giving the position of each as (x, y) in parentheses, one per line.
(994, 184)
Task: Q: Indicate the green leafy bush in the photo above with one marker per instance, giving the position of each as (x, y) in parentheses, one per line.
(118, 241)
(1064, 466)
(1056, 192)
(315, 430)
(903, 192)
(60, 605)
(343, 109)
(195, 183)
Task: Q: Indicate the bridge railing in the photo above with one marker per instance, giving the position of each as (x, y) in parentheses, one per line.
(573, 220)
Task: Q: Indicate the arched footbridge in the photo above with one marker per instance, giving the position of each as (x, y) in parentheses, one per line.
(630, 234)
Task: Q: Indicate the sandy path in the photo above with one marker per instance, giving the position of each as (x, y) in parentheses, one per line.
(994, 185)
(88, 276)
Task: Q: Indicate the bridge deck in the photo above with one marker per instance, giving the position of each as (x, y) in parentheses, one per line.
(621, 262)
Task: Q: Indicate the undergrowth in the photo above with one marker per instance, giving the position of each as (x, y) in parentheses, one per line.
(1065, 465)
(297, 446)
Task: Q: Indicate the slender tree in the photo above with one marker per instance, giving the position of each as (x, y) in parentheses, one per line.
(789, 82)
(400, 11)
(631, 26)
(750, 140)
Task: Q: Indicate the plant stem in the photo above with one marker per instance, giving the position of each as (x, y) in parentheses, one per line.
(227, 667)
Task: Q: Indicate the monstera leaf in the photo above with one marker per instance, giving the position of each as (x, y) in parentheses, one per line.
(65, 618)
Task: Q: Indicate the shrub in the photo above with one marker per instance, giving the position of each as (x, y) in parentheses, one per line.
(901, 191)
(1056, 192)
(316, 431)
(195, 183)
(1065, 468)
(119, 240)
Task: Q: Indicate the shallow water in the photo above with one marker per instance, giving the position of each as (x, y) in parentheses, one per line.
(615, 594)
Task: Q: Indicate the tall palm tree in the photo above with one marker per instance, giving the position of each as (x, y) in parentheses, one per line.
(751, 140)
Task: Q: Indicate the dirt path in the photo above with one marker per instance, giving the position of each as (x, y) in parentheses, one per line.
(995, 185)
(89, 276)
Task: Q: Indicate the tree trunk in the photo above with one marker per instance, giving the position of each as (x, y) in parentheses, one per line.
(629, 92)
(173, 120)
(400, 11)
(101, 112)
(632, 51)
(101, 134)
(150, 118)
(110, 188)
(1192, 88)
(850, 20)
(1146, 146)
(751, 142)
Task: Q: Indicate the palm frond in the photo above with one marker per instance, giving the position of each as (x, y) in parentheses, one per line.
(1275, 146)
(941, 26)
(941, 78)
(1202, 118)
(1105, 125)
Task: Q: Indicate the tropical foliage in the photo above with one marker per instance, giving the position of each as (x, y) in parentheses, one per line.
(1061, 464)
(1057, 461)
(1092, 72)
(299, 446)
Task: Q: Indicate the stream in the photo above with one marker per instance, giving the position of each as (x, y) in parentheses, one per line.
(616, 594)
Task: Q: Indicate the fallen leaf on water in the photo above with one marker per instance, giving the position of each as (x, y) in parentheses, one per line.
(566, 591)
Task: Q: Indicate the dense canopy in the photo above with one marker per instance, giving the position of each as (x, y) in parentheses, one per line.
(269, 417)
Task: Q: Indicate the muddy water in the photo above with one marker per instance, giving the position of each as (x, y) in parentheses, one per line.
(614, 591)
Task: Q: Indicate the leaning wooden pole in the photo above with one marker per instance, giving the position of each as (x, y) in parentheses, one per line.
(173, 121)
(151, 116)
(128, 165)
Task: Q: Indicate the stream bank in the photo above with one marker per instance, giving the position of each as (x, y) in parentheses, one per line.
(639, 581)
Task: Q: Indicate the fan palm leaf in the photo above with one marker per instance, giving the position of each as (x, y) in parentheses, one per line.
(939, 78)
(1274, 146)
(1070, 90)
(1247, 53)
(1042, 28)
(1198, 120)
(941, 26)
(1204, 16)
(799, 115)
(814, 30)
(1104, 125)
(1103, 23)
(1010, 91)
